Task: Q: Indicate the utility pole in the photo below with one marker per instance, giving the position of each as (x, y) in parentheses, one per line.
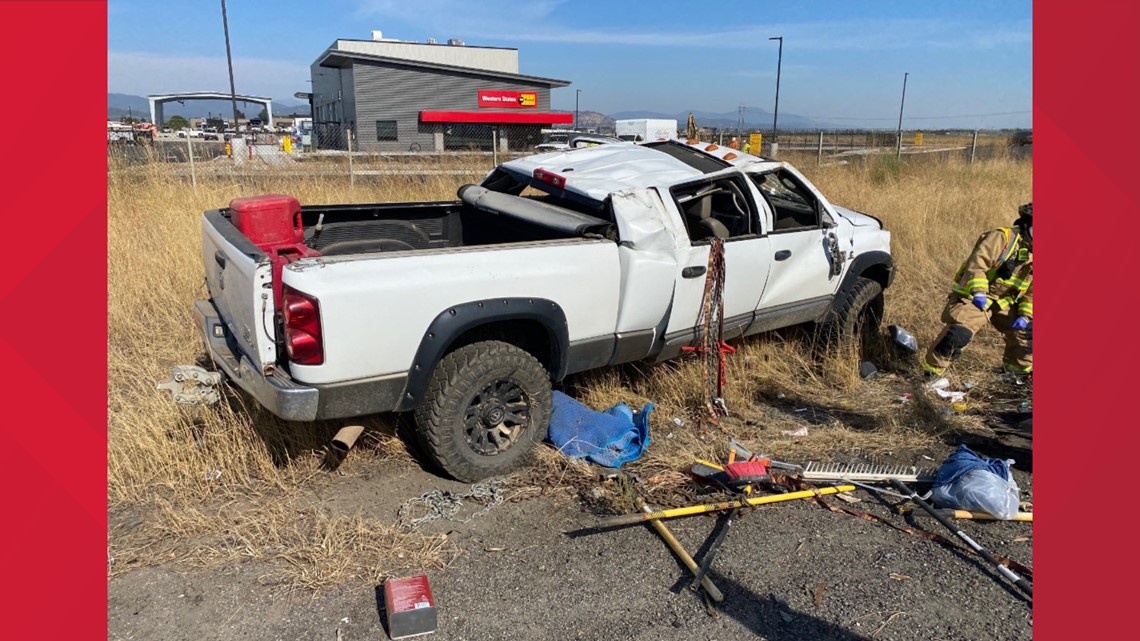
(898, 148)
(230, 64)
(779, 63)
(577, 92)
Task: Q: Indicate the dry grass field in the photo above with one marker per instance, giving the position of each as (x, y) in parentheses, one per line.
(202, 486)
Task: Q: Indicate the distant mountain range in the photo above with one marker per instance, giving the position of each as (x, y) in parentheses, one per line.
(755, 119)
(121, 104)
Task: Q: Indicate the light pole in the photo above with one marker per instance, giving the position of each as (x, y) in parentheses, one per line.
(577, 92)
(779, 63)
(898, 142)
(230, 64)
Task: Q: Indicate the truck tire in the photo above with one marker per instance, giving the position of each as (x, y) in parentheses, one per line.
(487, 406)
(857, 317)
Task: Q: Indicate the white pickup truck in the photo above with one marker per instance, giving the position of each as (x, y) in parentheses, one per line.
(466, 311)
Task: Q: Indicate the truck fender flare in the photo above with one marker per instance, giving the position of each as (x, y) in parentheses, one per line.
(859, 265)
(456, 320)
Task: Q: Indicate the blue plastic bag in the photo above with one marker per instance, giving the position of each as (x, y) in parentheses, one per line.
(966, 481)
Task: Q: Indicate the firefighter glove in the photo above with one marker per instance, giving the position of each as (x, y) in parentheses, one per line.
(980, 301)
(1021, 323)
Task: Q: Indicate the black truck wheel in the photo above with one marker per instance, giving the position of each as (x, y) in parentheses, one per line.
(857, 317)
(488, 405)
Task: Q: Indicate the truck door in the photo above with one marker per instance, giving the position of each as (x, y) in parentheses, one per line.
(801, 282)
(718, 206)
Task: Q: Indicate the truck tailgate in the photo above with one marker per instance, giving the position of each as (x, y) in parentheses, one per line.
(239, 278)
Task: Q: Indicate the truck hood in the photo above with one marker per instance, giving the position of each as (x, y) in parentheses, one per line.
(857, 219)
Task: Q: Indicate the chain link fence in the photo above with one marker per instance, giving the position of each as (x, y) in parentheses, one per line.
(472, 149)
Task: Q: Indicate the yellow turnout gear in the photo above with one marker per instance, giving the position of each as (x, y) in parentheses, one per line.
(1000, 267)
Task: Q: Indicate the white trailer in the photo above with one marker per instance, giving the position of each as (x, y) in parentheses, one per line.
(645, 129)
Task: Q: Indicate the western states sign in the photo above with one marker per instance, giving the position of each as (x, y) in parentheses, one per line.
(508, 99)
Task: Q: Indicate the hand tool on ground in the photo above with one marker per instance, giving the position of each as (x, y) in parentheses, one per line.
(743, 452)
(675, 545)
(734, 477)
(878, 490)
(980, 516)
(741, 476)
(713, 548)
(866, 472)
(630, 519)
(1019, 581)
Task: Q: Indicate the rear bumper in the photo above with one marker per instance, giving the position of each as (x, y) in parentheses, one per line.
(285, 397)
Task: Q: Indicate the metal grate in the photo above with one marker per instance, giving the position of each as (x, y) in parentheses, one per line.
(867, 472)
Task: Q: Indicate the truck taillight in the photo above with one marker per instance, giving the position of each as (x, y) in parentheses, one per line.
(550, 178)
(302, 328)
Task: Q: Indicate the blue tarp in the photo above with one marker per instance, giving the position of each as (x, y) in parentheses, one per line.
(609, 438)
(963, 460)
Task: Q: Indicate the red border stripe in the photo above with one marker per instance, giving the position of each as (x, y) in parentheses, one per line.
(53, 334)
(1085, 439)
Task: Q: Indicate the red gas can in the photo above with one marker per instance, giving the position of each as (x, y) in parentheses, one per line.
(269, 220)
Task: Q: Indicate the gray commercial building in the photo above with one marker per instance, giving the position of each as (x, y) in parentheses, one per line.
(394, 95)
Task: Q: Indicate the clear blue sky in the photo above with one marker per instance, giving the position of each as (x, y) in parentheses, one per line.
(843, 60)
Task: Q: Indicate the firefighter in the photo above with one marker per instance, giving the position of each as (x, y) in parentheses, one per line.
(994, 286)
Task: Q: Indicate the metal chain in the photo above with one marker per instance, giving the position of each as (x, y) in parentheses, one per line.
(710, 331)
(442, 504)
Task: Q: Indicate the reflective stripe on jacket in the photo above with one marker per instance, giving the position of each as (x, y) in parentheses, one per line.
(1001, 268)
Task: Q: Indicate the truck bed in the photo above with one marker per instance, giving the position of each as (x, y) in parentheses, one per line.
(336, 230)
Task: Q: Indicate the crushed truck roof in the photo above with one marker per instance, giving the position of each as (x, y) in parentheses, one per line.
(596, 172)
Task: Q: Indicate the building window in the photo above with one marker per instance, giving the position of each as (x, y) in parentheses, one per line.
(386, 130)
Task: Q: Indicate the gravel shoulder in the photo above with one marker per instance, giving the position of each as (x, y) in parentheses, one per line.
(535, 570)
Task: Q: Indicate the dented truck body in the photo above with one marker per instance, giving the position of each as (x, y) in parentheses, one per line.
(581, 259)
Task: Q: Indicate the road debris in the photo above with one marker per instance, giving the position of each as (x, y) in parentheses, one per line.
(445, 505)
(903, 339)
(938, 383)
(1019, 581)
(409, 606)
(817, 594)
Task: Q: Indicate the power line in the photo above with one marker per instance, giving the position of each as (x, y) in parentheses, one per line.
(1001, 113)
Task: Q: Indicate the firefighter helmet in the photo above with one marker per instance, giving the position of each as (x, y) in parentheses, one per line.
(1024, 220)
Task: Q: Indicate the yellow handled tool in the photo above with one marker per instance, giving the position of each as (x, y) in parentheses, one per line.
(630, 519)
(678, 549)
(979, 516)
